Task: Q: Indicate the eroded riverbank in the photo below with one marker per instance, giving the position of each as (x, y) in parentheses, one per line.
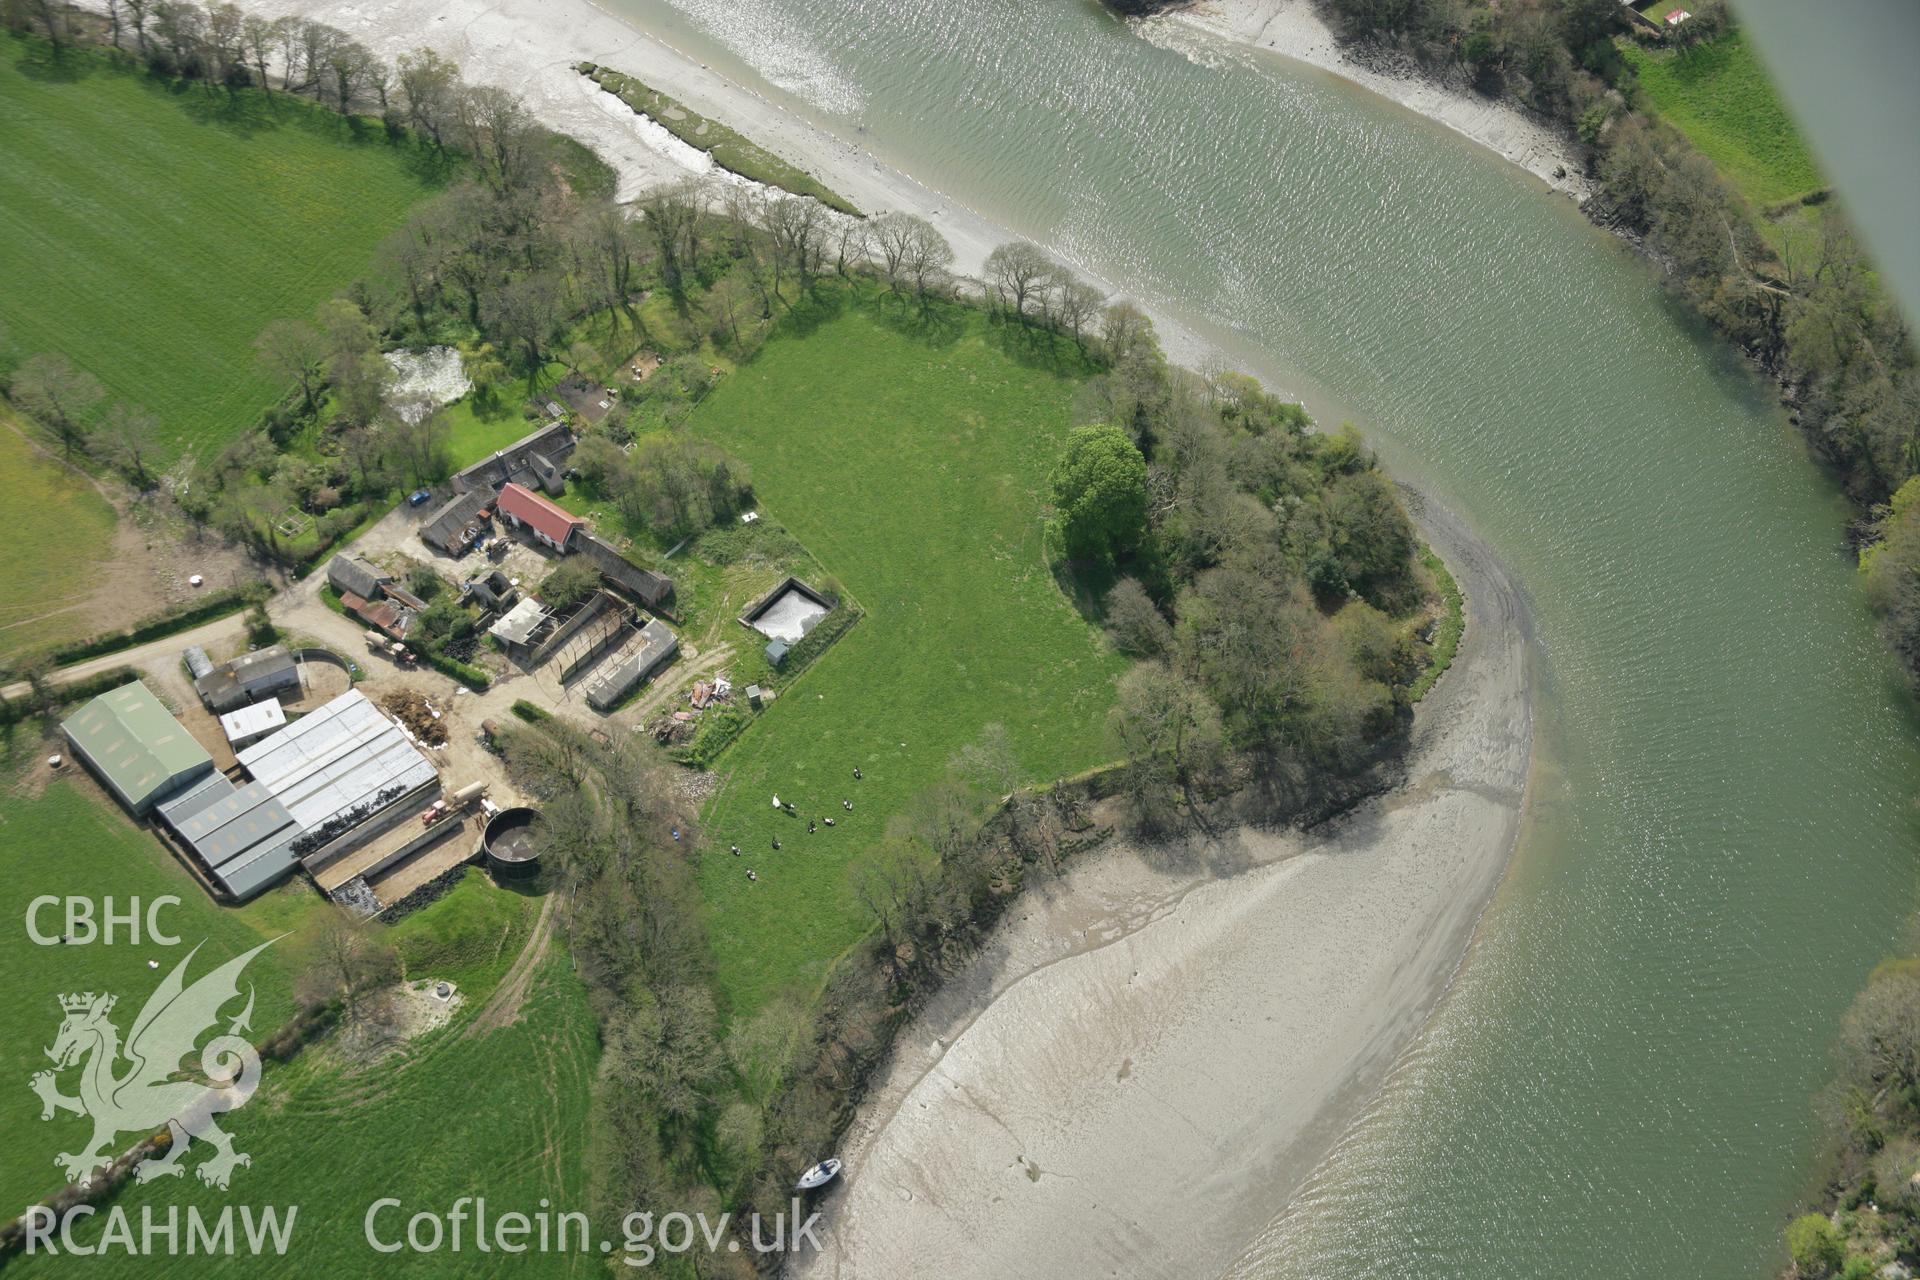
(1159, 1047)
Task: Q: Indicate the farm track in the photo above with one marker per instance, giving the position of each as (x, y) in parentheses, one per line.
(502, 1008)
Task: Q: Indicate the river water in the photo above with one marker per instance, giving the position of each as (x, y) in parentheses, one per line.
(1720, 845)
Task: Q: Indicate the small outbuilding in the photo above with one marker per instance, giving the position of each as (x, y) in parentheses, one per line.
(198, 663)
(492, 591)
(457, 523)
(350, 574)
(776, 653)
(644, 654)
(517, 627)
(250, 724)
(264, 673)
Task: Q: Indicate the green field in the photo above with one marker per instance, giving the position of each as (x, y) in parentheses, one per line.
(1720, 96)
(149, 232)
(62, 529)
(914, 470)
(61, 842)
(473, 435)
(503, 1112)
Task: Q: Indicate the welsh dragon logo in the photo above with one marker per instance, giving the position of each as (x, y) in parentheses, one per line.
(146, 1096)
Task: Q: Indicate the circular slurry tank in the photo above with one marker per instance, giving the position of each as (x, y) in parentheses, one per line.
(513, 843)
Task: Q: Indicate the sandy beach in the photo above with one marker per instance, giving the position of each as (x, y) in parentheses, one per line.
(1156, 1051)
(1295, 29)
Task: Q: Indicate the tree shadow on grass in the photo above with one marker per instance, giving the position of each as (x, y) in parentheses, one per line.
(1037, 347)
(248, 113)
(937, 324)
(1085, 586)
(244, 114)
(37, 61)
(813, 309)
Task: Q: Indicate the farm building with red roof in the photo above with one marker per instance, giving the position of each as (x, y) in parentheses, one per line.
(523, 508)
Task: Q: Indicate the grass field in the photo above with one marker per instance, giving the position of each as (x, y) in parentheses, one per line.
(62, 529)
(502, 1112)
(473, 435)
(1720, 96)
(61, 842)
(149, 233)
(914, 471)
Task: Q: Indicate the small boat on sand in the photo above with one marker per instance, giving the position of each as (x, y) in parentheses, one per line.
(819, 1175)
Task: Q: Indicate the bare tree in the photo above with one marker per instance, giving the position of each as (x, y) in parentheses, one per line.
(761, 1049)
(345, 962)
(137, 9)
(796, 225)
(315, 41)
(348, 64)
(526, 310)
(58, 396)
(854, 245)
(53, 23)
(497, 129)
(1135, 622)
(379, 78)
(180, 27)
(1881, 1033)
(259, 39)
(420, 447)
(1076, 303)
(466, 229)
(225, 50)
(429, 81)
(411, 257)
(894, 232)
(891, 882)
(292, 35)
(989, 763)
(1169, 731)
(127, 437)
(725, 303)
(669, 210)
(928, 260)
(364, 452)
(293, 351)
(1018, 273)
(608, 246)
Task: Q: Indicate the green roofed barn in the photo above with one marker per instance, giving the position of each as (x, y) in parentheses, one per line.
(135, 746)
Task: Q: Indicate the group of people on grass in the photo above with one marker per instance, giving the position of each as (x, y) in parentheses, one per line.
(788, 808)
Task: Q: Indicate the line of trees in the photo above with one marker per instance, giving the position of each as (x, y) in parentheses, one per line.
(71, 406)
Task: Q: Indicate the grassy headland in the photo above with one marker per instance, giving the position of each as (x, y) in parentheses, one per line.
(912, 461)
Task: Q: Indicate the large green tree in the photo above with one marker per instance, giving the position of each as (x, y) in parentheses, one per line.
(1100, 494)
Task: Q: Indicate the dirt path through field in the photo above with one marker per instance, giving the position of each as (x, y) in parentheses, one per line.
(502, 1008)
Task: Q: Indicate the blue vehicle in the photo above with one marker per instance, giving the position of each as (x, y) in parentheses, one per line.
(418, 496)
